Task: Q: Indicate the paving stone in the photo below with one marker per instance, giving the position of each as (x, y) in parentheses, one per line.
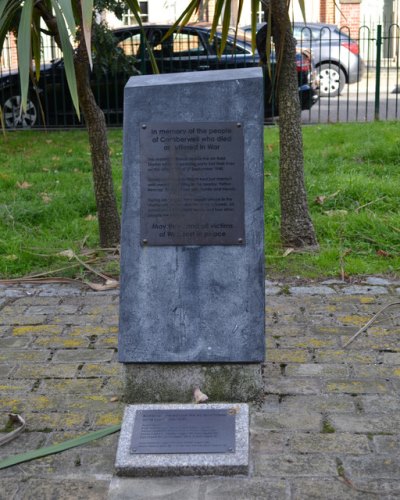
(109, 309)
(374, 466)
(326, 489)
(308, 342)
(323, 403)
(329, 443)
(316, 370)
(387, 444)
(54, 421)
(22, 319)
(87, 319)
(91, 330)
(311, 290)
(364, 290)
(90, 370)
(344, 356)
(32, 329)
(391, 358)
(245, 489)
(26, 441)
(357, 386)
(264, 441)
(5, 370)
(13, 342)
(23, 356)
(15, 386)
(77, 489)
(64, 342)
(381, 403)
(59, 291)
(156, 488)
(81, 386)
(272, 290)
(50, 310)
(289, 465)
(287, 356)
(9, 488)
(278, 420)
(49, 370)
(375, 280)
(67, 355)
(38, 301)
(372, 423)
(293, 386)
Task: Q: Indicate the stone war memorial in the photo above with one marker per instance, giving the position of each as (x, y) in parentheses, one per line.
(192, 270)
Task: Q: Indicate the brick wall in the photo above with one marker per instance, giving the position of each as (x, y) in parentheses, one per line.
(9, 59)
(350, 18)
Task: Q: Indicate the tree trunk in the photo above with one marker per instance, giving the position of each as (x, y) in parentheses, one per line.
(107, 211)
(296, 226)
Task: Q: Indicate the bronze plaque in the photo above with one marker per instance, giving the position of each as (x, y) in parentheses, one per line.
(183, 431)
(191, 183)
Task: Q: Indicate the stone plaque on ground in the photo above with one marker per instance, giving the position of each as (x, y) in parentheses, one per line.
(222, 452)
(184, 431)
(192, 252)
(191, 183)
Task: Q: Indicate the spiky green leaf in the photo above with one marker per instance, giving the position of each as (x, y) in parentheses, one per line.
(87, 16)
(36, 42)
(68, 14)
(68, 56)
(135, 9)
(24, 49)
(217, 14)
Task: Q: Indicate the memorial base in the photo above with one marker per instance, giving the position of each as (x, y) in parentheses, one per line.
(167, 383)
(186, 463)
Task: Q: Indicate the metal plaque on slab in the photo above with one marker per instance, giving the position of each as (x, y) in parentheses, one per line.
(183, 431)
(191, 183)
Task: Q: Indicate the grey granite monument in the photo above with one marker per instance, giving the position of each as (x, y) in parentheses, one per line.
(192, 263)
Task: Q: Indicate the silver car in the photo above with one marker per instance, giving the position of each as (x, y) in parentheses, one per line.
(336, 55)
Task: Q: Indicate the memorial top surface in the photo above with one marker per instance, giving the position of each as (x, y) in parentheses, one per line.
(194, 77)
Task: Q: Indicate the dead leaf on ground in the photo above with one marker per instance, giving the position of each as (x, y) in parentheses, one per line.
(55, 158)
(23, 185)
(234, 410)
(199, 397)
(46, 198)
(320, 200)
(334, 213)
(98, 287)
(70, 254)
(270, 148)
(49, 141)
(11, 257)
(287, 252)
(114, 399)
(382, 253)
(45, 170)
(90, 217)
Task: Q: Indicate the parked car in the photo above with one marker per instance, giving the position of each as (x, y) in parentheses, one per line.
(186, 50)
(335, 55)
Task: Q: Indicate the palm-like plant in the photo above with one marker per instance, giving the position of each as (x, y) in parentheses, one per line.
(70, 23)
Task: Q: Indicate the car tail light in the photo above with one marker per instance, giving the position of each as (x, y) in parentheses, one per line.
(352, 46)
(303, 63)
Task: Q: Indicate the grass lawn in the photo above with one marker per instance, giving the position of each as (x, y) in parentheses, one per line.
(353, 180)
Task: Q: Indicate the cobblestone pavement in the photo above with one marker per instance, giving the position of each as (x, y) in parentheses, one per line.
(328, 427)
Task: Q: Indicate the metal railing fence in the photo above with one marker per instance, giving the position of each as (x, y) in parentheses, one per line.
(353, 87)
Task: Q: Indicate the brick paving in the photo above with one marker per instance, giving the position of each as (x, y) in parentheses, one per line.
(328, 426)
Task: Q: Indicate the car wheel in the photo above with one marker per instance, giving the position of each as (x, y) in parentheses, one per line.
(331, 80)
(16, 117)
